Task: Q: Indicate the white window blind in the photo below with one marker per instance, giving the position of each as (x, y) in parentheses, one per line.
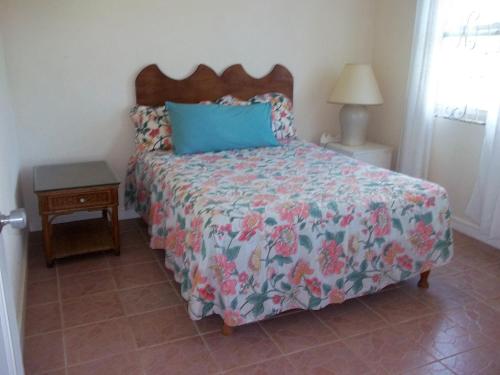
(468, 61)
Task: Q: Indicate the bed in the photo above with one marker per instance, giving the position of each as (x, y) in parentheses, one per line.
(252, 233)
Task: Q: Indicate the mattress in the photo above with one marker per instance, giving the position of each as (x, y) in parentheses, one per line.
(252, 233)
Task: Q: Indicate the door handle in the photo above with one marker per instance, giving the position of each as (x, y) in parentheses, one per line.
(16, 218)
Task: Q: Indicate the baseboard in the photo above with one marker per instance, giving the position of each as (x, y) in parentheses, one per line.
(472, 230)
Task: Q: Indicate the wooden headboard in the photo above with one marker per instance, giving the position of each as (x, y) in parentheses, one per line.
(154, 88)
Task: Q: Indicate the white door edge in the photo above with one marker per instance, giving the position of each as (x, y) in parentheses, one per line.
(8, 323)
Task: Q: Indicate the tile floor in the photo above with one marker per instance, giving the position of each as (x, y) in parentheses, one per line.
(103, 314)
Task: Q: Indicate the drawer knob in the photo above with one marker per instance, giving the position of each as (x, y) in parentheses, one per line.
(82, 200)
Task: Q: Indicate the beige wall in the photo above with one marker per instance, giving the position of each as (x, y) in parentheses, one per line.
(456, 149)
(456, 146)
(72, 63)
(391, 58)
(14, 241)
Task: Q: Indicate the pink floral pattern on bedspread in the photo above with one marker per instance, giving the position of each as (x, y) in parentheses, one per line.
(252, 233)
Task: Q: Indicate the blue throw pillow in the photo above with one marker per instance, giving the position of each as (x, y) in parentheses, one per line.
(200, 128)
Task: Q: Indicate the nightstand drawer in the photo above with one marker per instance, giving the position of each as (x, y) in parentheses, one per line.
(71, 201)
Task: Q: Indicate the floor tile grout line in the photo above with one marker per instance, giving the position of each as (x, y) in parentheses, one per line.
(53, 370)
(29, 282)
(358, 357)
(125, 315)
(44, 333)
(427, 351)
(69, 328)
(317, 318)
(107, 356)
(73, 274)
(113, 279)
(359, 333)
(153, 310)
(428, 306)
(412, 297)
(96, 269)
(436, 359)
(117, 289)
(121, 317)
(446, 367)
(172, 281)
(61, 317)
(474, 296)
(136, 349)
(209, 332)
(183, 301)
(388, 325)
(363, 360)
(90, 295)
(168, 342)
(369, 364)
(480, 300)
(42, 304)
(114, 290)
(259, 362)
(166, 281)
(431, 363)
(467, 350)
(203, 335)
(110, 268)
(329, 329)
(205, 344)
(334, 339)
(270, 337)
(319, 345)
(289, 362)
(145, 236)
(373, 311)
(362, 333)
(285, 355)
(58, 279)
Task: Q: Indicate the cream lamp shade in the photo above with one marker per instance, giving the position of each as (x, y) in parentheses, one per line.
(355, 88)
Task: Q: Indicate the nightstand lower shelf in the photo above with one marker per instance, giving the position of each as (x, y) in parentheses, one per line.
(82, 237)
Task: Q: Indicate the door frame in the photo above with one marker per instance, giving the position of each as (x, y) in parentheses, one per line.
(9, 330)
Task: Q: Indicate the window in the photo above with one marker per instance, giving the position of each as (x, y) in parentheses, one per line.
(468, 60)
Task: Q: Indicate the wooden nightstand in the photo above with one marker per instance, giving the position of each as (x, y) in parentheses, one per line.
(373, 153)
(68, 188)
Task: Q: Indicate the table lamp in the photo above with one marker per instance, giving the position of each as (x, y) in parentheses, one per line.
(355, 89)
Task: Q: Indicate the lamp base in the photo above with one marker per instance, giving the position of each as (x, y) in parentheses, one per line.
(353, 122)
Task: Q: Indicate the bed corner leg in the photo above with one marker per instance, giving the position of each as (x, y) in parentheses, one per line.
(227, 330)
(423, 282)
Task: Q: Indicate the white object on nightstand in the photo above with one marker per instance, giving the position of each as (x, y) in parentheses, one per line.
(373, 153)
(356, 88)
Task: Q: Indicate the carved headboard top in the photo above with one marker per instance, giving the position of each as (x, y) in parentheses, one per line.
(154, 88)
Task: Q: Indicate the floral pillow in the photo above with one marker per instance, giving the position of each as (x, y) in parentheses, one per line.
(153, 129)
(282, 114)
(232, 100)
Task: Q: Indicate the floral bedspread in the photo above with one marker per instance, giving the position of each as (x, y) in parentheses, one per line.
(252, 233)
